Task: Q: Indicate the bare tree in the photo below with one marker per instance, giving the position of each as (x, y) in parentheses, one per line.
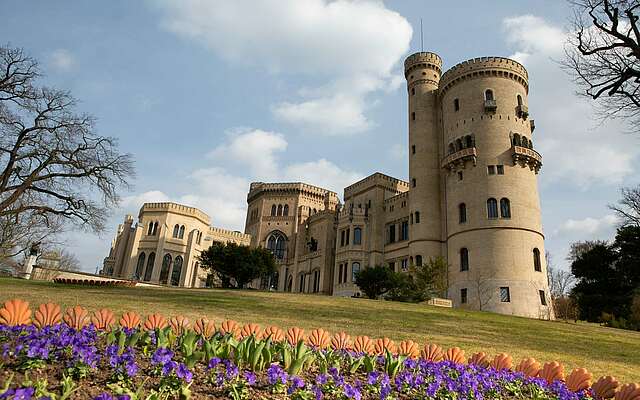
(578, 248)
(54, 167)
(603, 55)
(485, 292)
(628, 207)
(560, 282)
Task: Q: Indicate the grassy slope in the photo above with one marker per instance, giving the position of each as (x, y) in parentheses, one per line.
(601, 350)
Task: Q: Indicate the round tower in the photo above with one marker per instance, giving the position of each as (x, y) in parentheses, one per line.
(422, 71)
(495, 244)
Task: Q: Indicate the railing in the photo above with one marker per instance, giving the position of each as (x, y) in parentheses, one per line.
(526, 156)
(522, 111)
(459, 157)
(490, 105)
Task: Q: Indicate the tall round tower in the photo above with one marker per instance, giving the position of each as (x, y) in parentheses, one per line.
(494, 239)
(423, 71)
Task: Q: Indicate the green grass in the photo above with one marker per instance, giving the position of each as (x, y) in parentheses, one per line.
(604, 351)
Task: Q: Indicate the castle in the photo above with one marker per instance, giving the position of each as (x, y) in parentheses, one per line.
(472, 198)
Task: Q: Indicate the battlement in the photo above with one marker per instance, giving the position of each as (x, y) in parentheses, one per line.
(484, 66)
(240, 237)
(423, 59)
(376, 179)
(396, 198)
(177, 209)
(257, 188)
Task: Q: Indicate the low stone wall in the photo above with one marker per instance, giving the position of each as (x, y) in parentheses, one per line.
(50, 274)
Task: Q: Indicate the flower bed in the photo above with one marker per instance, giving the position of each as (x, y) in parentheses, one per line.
(77, 355)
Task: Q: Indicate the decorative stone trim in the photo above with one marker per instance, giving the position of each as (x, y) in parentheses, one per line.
(527, 157)
(459, 158)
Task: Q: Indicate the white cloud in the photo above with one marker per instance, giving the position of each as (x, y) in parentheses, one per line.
(253, 147)
(129, 203)
(339, 42)
(321, 173)
(575, 147)
(62, 60)
(591, 227)
(398, 152)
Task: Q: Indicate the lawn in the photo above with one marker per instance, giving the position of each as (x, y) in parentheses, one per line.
(604, 351)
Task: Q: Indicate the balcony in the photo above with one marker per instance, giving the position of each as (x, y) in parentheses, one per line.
(522, 111)
(527, 157)
(459, 158)
(490, 105)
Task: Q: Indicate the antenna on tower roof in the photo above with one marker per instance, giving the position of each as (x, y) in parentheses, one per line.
(421, 37)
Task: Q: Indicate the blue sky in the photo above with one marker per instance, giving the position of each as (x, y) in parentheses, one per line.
(212, 93)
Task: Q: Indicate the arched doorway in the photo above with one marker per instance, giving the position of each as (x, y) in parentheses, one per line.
(177, 271)
(164, 272)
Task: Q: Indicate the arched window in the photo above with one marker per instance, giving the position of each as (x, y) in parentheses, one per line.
(194, 277)
(492, 208)
(273, 210)
(458, 144)
(279, 209)
(516, 140)
(166, 265)
(301, 280)
(452, 148)
(315, 211)
(285, 210)
(177, 271)
(488, 94)
(464, 259)
(524, 142)
(290, 284)
(140, 266)
(150, 230)
(537, 265)
(417, 219)
(149, 270)
(519, 98)
(155, 228)
(419, 260)
(468, 141)
(181, 232)
(277, 244)
(357, 235)
(505, 208)
(462, 208)
(355, 268)
(456, 104)
(176, 229)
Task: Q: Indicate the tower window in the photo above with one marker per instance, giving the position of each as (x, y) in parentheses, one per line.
(519, 99)
(463, 296)
(417, 213)
(419, 260)
(342, 238)
(392, 233)
(491, 169)
(505, 208)
(462, 208)
(505, 296)
(413, 91)
(413, 149)
(500, 169)
(543, 298)
(537, 266)
(404, 265)
(413, 116)
(492, 208)
(404, 230)
(488, 94)
(456, 104)
(459, 175)
(273, 210)
(357, 235)
(413, 182)
(464, 259)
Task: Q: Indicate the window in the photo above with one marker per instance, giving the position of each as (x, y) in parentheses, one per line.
(463, 296)
(285, 210)
(140, 266)
(452, 148)
(340, 274)
(346, 238)
(413, 182)
(468, 141)
(413, 91)
(181, 232)
(149, 270)
(404, 264)
(519, 99)
(342, 238)
(273, 210)
(357, 235)
(155, 228)
(491, 169)
(456, 104)
(392, 265)
(344, 277)
(413, 149)
(488, 94)
(277, 244)
(462, 208)
(301, 288)
(355, 268)
(492, 208)
(500, 169)
(505, 296)
(413, 116)
(537, 266)
(150, 230)
(417, 217)
(176, 230)
(505, 208)
(459, 175)
(392, 233)
(279, 209)
(316, 281)
(176, 272)
(464, 259)
(164, 272)
(419, 260)
(404, 230)
(543, 298)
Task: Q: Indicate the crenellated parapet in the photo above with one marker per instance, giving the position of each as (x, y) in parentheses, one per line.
(423, 59)
(175, 208)
(258, 188)
(484, 67)
(376, 179)
(219, 234)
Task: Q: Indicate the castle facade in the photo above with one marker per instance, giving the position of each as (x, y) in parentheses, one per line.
(472, 198)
